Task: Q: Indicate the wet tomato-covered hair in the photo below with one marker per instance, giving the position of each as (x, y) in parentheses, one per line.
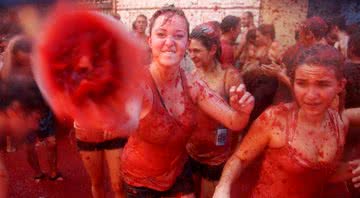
(229, 22)
(319, 55)
(208, 35)
(169, 11)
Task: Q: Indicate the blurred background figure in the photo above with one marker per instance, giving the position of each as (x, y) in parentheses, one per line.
(337, 31)
(230, 28)
(139, 27)
(22, 89)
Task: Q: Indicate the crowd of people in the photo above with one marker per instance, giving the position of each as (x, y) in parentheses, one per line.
(223, 109)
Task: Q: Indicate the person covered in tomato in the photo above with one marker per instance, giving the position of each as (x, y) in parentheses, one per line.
(154, 161)
(139, 27)
(23, 91)
(230, 28)
(300, 144)
(210, 144)
(15, 119)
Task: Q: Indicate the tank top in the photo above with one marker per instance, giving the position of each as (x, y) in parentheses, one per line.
(284, 172)
(155, 154)
(210, 142)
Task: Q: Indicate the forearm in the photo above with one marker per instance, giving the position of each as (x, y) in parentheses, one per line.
(285, 79)
(223, 113)
(232, 171)
(239, 120)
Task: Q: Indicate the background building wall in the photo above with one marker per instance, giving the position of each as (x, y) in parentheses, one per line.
(285, 15)
(197, 11)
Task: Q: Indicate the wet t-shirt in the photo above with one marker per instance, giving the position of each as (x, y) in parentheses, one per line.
(155, 154)
(285, 173)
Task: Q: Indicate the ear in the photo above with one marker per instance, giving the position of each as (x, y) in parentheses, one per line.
(212, 50)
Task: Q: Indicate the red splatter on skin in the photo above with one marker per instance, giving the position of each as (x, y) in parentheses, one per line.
(87, 64)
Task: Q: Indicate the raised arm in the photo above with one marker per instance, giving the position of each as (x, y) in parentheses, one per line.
(232, 78)
(234, 116)
(252, 146)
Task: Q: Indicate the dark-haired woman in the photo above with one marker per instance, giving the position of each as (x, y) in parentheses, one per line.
(300, 144)
(210, 144)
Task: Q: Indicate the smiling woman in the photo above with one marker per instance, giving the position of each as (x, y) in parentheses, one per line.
(171, 97)
(210, 144)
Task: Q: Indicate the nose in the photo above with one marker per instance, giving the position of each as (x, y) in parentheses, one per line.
(85, 63)
(169, 41)
(312, 94)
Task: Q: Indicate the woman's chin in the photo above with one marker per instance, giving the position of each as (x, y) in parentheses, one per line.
(170, 62)
(311, 112)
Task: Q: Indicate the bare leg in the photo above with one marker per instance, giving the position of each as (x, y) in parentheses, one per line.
(113, 158)
(4, 178)
(94, 165)
(207, 188)
(33, 159)
(51, 148)
(10, 144)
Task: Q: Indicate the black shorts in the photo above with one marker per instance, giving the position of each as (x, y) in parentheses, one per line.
(46, 128)
(211, 173)
(184, 185)
(100, 146)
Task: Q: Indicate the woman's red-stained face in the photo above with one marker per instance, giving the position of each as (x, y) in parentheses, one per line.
(315, 88)
(199, 54)
(140, 24)
(260, 39)
(169, 40)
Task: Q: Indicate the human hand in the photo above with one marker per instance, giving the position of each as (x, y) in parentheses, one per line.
(273, 70)
(355, 165)
(241, 100)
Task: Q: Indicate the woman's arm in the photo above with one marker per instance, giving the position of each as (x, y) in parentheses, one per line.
(352, 115)
(252, 146)
(234, 116)
(232, 78)
(355, 167)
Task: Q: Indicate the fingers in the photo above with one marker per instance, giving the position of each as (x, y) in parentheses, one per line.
(355, 165)
(237, 90)
(245, 98)
(356, 181)
(356, 171)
